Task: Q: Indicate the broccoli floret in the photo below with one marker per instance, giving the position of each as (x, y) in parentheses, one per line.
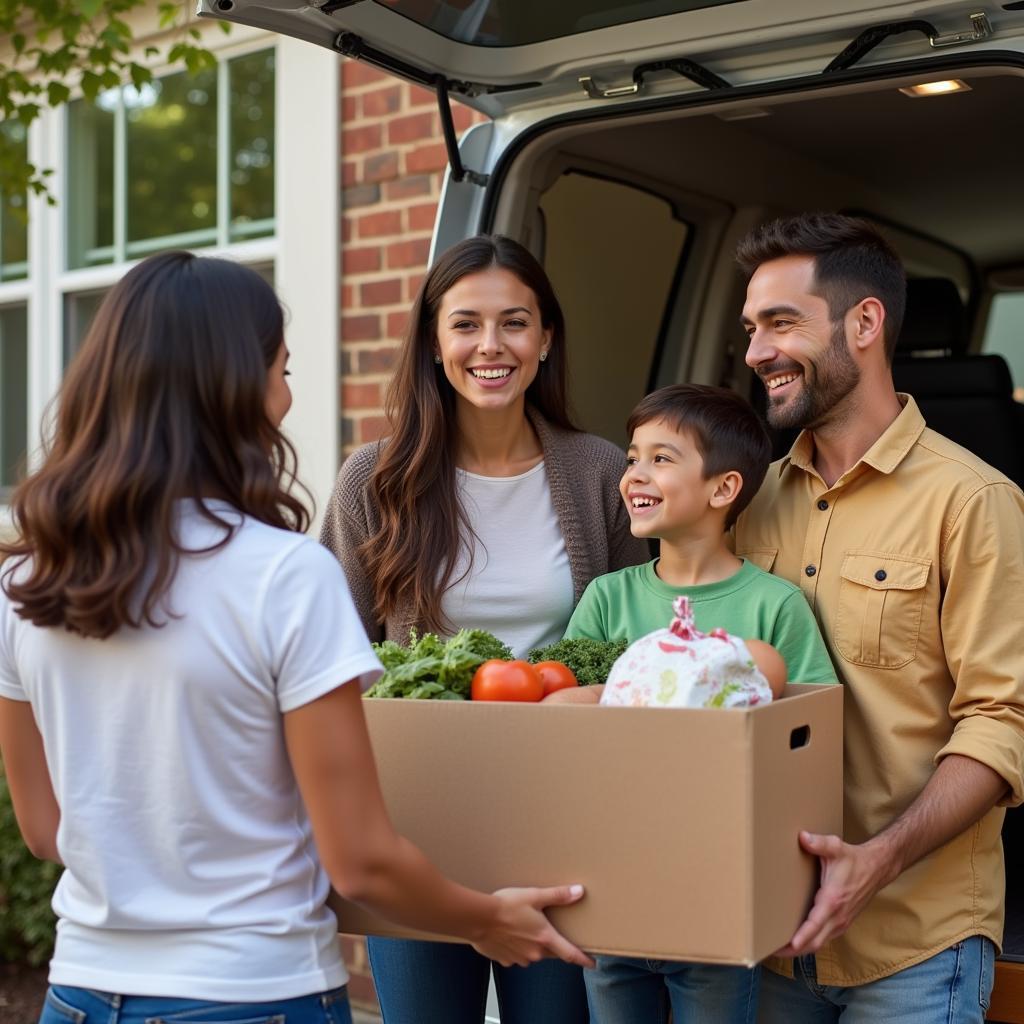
(590, 660)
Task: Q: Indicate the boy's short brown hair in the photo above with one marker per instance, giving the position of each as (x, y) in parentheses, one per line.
(725, 430)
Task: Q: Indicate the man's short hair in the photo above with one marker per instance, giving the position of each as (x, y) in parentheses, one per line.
(725, 430)
(851, 262)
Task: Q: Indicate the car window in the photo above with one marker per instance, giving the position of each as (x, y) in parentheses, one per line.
(491, 23)
(1004, 335)
(613, 252)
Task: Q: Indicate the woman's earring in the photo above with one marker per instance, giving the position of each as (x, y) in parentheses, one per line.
(437, 359)
(543, 356)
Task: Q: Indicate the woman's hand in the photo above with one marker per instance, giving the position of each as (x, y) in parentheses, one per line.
(522, 934)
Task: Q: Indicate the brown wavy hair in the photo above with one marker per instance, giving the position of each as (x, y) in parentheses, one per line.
(412, 557)
(165, 401)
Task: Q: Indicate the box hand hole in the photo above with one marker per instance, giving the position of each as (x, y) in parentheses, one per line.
(800, 737)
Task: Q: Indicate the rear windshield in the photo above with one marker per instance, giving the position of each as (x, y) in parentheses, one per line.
(520, 22)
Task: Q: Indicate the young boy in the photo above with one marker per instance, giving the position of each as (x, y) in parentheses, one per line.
(697, 456)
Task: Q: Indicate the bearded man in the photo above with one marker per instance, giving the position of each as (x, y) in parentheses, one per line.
(909, 550)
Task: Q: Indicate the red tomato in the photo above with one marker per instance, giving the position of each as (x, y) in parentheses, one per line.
(555, 676)
(507, 680)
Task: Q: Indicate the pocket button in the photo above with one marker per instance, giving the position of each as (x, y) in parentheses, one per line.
(880, 575)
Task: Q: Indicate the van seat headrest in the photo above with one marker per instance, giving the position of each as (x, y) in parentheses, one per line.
(935, 317)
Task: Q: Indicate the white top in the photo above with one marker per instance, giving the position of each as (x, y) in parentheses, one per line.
(520, 585)
(191, 869)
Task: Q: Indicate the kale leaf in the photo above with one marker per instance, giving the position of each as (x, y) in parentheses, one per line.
(429, 668)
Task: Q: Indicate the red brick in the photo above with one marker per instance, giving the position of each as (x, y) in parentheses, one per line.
(348, 296)
(412, 286)
(381, 293)
(397, 324)
(464, 116)
(365, 327)
(360, 261)
(362, 139)
(421, 217)
(378, 360)
(409, 253)
(412, 128)
(349, 173)
(380, 167)
(381, 102)
(387, 222)
(420, 97)
(372, 428)
(409, 186)
(346, 229)
(355, 73)
(426, 158)
(360, 395)
(349, 108)
(360, 195)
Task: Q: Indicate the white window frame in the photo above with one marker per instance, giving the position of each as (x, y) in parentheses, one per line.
(304, 248)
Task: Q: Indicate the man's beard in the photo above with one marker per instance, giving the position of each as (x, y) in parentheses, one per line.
(831, 380)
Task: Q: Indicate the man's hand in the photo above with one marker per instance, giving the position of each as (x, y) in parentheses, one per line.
(850, 877)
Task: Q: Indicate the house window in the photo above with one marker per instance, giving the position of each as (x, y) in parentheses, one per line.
(13, 213)
(185, 161)
(13, 394)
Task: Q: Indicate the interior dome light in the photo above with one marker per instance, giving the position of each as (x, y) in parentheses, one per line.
(936, 88)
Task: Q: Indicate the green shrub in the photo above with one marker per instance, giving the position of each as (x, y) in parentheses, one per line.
(26, 885)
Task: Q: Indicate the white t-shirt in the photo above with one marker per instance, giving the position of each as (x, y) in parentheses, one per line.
(520, 585)
(191, 869)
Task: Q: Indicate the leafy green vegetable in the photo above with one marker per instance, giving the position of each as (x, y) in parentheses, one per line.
(430, 668)
(590, 660)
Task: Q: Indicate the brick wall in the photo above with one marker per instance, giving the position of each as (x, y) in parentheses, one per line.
(393, 160)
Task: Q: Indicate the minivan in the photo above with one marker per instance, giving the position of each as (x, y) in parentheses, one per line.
(630, 143)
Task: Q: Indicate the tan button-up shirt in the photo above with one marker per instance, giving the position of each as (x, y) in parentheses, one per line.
(913, 562)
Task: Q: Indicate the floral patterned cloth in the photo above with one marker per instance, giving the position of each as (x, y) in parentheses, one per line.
(680, 667)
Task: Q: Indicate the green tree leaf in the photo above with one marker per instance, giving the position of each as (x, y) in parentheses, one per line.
(57, 45)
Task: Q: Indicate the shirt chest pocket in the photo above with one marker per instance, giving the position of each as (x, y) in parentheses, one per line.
(881, 597)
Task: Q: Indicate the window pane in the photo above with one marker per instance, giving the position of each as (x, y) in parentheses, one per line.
(252, 145)
(496, 23)
(172, 162)
(79, 309)
(1004, 334)
(90, 211)
(614, 312)
(13, 210)
(13, 393)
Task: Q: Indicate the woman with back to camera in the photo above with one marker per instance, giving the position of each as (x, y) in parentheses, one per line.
(485, 508)
(180, 686)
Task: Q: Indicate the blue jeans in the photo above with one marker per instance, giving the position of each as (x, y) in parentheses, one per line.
(66, 1005)
(444, 983)
(629, 990)
(952, 987)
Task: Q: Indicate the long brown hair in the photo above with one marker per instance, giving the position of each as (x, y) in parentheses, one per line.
(164, 401)
(412, 557)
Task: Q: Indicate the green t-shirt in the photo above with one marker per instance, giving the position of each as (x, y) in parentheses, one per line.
(751, 604)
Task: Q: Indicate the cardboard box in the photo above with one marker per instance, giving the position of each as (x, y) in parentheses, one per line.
(682, 824)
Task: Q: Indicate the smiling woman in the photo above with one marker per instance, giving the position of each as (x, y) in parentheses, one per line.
(485, 509)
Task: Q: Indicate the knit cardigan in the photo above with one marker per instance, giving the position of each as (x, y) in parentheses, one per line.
(583, 473)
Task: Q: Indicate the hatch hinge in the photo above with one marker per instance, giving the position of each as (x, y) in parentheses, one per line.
(981, 28)
(451, 143)
(690, 69)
